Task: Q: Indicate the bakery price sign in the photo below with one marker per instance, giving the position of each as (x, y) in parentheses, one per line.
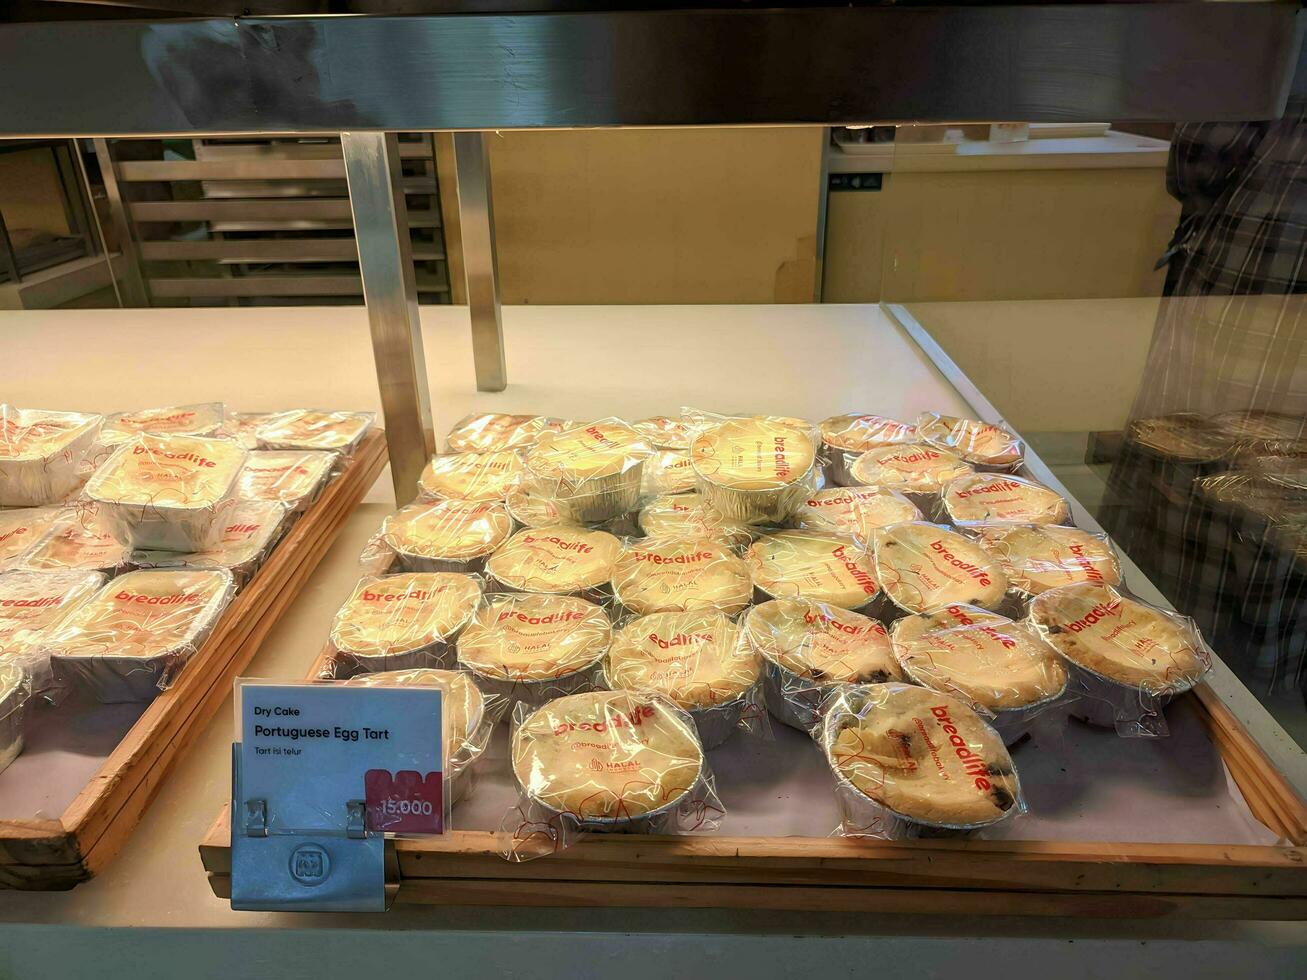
(308, 751)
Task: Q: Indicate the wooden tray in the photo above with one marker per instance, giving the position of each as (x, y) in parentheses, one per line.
(1115, 880)
(58, 854)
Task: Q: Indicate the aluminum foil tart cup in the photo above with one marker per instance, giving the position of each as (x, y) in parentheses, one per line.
(664, 432)
(446, 535)
(79, 539)
(464, 719)
(256, 527)
(13, 704)
(471, 476)
(23, 529)
(535, 648)
(1128, 658)
(809, 649)
(403, 621)
(755, 470)
(621, 761)
(1003, 670)
(293, 477)
(1000, 498)
(41, 454)
(817, 565)
(168, 493)
(558, 560)
(132, 638)
(846, 437)
(698, 660)
(923, 567)
(916, 763)
(667, 471)
(979, 443)
(493, 431)
(1036, 558)
(919, 470)
(858, 511)
(592, 473)
(302, 428)
(655, 575)
(688, 515)
(31, 603)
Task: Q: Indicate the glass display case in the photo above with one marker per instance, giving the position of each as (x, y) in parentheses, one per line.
(892, 476)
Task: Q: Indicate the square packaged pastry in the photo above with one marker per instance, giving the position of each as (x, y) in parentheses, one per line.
(293, 477)
(31, 603)
(169, 493)
(302, 428)
(41, 454)
(79, 539)
(21, 530)
(251, 533)
(132, 638)
(204, 419)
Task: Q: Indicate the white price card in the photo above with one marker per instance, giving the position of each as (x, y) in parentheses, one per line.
(308, 750)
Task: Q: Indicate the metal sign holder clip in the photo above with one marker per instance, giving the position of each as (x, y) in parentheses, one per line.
(341, 868)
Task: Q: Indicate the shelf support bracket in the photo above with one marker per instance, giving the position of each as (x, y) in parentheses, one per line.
(376, 196)
(477, 222)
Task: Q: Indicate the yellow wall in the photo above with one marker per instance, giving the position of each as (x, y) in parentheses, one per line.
(1002, 234)
(657, 216)
(29, 192)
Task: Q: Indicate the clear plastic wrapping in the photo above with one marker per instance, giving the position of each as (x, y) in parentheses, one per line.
(817, 565)
(31, 603)
(675, 574)
(1127, 658)
(1182, 436)
(168, 493)
(1260, 430)
(924, 566)
(244, 427)
(492, 431)
(846, 437)
(592, 473)
(1000, 498)
(667, 471)
(403, 621)
(912, 468)
(700, 661)
(253, 530)
(809, 649)
(909, 762)
(531, 509)
(858, 511)
(132, 638)
(468, 718)
(15, 692)
(1003, 670)
(979, 443)
(560, 560)
(203, 419)
(607, 761)
(664, 432)
(293, 477)
(1039, 557)
(756, 469)
(306, 428)
(23, 529)
(534, 648)
(444, 535)
(471, 476)
(79, 538)
(688, 515)
(41, 454)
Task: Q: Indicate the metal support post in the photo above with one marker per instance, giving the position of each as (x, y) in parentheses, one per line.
(133, 291)
(372, 170)
(477, 220)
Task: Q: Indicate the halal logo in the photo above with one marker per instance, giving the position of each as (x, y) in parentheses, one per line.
(310, 864)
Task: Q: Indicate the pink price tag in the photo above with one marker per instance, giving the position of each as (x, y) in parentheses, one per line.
(404, 802)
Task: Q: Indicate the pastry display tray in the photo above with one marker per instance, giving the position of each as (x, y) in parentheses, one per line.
(69, 802)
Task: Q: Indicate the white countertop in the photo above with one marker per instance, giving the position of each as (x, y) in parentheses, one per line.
(810, 361)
